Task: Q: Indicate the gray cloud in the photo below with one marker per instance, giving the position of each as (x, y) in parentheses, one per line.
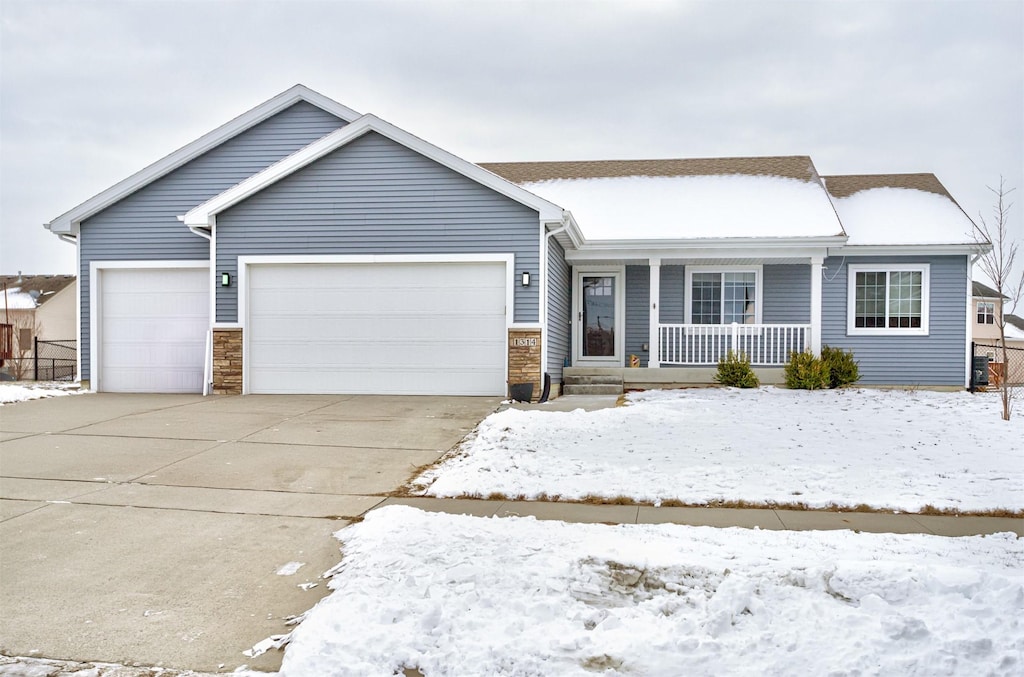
(92, 92)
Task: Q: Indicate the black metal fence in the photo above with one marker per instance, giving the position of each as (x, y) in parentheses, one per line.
(55, 360)
(990, 370)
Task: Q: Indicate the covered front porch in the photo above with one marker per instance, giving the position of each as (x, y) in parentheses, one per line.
(669, 319)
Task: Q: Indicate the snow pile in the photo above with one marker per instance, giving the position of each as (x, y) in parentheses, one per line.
(903, 216)
(458, 595)
(890, 449)
(677, 207)
(18, 393)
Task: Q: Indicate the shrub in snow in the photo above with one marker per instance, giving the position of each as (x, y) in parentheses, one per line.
(804, 371)
(842, 369)
(734, 371)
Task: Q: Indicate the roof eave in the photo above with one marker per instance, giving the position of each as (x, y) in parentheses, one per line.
(706, 243)
(911, 249)
(70, 221)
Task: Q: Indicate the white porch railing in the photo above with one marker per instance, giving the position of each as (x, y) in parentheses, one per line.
(764, 344)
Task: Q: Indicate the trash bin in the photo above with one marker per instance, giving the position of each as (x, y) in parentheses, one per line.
(980, 370)
(520, 392)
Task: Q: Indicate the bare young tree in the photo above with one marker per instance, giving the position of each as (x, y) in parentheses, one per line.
(999, 265)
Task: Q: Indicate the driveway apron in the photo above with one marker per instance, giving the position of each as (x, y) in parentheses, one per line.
(179, 531)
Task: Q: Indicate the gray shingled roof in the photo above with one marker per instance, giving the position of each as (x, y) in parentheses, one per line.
(983, 290)
(1017, 322)
(46, 285)
(792, 166)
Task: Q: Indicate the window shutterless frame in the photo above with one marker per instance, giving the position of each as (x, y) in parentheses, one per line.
(882, 286)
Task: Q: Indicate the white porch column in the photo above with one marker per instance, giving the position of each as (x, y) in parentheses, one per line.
(653, 361)
(816, 263)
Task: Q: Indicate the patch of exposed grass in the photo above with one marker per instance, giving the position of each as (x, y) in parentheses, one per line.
(742, 504)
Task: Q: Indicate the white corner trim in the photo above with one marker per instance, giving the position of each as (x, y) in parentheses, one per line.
(758, 287)
(96, 307)
(70, 220)
(202, 214)
(851, 298)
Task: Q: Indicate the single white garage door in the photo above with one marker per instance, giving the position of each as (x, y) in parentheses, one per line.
(153, 324)
(400, 329)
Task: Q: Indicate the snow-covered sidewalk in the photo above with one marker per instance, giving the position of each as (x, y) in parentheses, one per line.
(16, 392)
(898, 450)
(458, 595)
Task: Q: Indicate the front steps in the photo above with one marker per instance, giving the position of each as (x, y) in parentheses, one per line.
(591, 384)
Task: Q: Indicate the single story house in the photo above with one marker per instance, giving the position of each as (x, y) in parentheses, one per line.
(306, 248)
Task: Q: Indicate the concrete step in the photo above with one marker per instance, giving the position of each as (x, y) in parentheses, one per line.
(593, 379)
(593, 389)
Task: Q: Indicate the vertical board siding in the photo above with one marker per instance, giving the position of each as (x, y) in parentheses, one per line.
(787, 294)
(936, 359)
(559, 307)
(145, 225)
(638, 312)
(375, 196)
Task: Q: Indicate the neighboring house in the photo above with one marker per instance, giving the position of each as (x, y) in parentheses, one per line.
(988, 308)
(42, 307)
(305, 248)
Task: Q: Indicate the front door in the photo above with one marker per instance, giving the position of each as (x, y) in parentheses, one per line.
(598, 310)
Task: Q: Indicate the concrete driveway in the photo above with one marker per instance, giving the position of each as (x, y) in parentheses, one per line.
(150, 529)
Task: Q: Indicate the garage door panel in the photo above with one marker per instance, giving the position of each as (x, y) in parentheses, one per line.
(153, 325)
(406, 328)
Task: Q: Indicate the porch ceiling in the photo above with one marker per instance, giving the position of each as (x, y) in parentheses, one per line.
(806, 260)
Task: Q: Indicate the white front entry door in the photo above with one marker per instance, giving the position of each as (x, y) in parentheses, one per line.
(377, 328)
(152, 325)
(598, 301)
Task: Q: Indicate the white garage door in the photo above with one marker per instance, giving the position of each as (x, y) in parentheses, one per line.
(153, 324)
(401, 329)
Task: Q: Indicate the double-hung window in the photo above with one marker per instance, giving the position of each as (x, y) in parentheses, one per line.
(986, 312)
(888, 299)
(723, 295)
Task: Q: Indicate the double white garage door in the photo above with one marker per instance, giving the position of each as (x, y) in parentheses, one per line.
(385, 328)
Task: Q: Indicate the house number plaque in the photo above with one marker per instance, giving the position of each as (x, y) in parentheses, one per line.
(524, 343)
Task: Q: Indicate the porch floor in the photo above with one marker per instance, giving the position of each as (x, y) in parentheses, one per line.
(645, 378)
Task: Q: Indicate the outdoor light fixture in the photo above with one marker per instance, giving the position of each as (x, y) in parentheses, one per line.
(526, 278)
(225, 279)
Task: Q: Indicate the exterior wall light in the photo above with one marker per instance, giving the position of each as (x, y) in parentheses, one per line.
(225, 279)
(526, 278)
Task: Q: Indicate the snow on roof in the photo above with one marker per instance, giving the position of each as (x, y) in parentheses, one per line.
(18, 300)
(1014, 328)
(703, 206)
(898, 209)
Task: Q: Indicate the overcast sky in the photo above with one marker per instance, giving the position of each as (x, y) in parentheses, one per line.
(91, 92)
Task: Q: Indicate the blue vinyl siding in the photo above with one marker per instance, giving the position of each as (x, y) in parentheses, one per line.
(559, 308)
(787, 294)
(673, 294)
(638, 313)
(936, 359)
(375, 196)
(145, 225)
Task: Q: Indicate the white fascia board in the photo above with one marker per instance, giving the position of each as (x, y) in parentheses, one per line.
(702, 250)
(69, 221)
(910, 249)
(204, 214)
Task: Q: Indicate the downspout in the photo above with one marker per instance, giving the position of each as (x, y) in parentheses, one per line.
(544, 312)
(208, 352)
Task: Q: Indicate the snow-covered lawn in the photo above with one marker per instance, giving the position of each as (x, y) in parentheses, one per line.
(16, 392)
(899, 450)
(458, 595)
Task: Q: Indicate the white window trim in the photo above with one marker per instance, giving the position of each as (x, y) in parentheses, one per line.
(851, 300)
(758, 288)
(977, 311)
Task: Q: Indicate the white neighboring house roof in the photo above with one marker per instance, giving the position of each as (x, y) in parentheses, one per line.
(204, 215)
(69, 222)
